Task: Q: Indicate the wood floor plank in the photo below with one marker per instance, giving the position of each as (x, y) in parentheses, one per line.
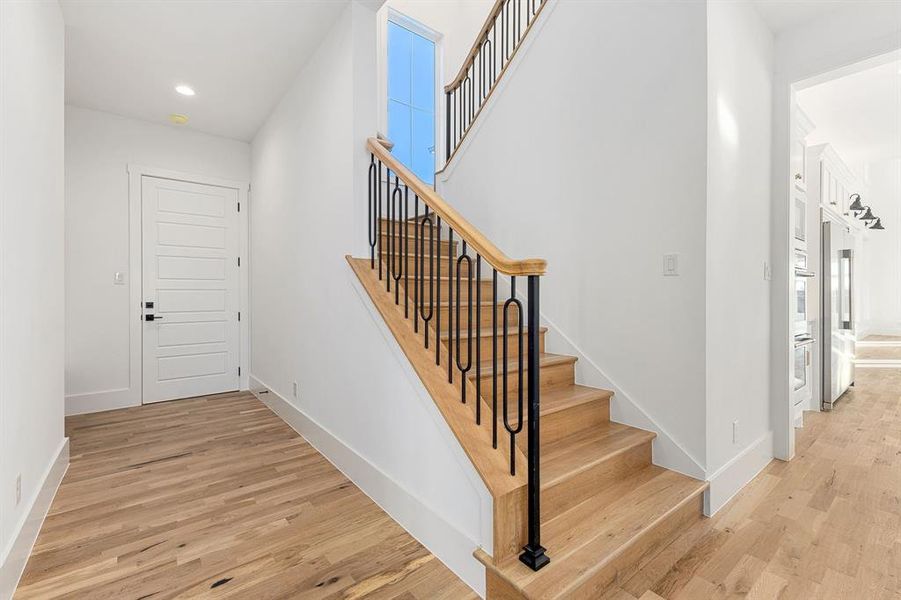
(216, 497)
(825, 525)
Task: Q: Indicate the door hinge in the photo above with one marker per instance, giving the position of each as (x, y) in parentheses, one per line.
(239, 371)
(239, 316)
(239, 207)
(239, 261)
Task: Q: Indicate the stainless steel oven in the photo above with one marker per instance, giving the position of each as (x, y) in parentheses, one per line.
(803, 346)
(803, 277)
(803, 336)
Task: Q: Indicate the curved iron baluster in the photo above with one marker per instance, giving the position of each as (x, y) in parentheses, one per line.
(513, 430)
(487, 67)
(426, 318)
(465, 369)
(379, 216)
(397, 260)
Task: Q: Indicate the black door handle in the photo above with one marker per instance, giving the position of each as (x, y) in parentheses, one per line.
(152, 318)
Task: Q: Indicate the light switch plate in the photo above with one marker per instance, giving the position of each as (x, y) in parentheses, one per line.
(119, 278)
(767, 271)
(670, 265)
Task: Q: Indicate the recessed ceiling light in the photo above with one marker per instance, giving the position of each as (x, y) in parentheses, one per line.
(178, 119)
(184, 90)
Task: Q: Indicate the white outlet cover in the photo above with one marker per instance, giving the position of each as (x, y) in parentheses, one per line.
(670, 265)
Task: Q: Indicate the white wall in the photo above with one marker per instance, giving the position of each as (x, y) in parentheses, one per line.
(739, 86)
(99, 146)
(312, 323)
(880, 260)
(31, 265)
(838, 39)
(597, 146)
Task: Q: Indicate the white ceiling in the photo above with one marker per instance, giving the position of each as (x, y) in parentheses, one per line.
(859, 114)
(240, 56)
(783, 14)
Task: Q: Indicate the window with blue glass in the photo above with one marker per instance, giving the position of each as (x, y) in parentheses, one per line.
(411, 100)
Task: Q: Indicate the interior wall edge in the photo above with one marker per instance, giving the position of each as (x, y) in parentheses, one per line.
(16, 555)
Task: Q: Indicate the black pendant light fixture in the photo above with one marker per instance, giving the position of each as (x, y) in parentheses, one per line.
(876, 224)
(868, 215)
(856, 206)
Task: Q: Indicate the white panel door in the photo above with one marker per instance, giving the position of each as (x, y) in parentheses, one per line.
(190, 289)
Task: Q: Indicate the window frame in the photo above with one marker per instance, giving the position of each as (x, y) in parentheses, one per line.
(402, 20)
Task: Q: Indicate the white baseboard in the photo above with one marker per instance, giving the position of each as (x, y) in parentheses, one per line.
(450, 545)
(624, 409)
(737, 473)
(27, 532)
(91, 402)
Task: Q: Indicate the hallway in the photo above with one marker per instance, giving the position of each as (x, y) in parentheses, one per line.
(825, 525)
(217, 497)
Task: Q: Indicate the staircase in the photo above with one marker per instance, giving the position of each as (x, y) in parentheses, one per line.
(602, 509)
(579, 507)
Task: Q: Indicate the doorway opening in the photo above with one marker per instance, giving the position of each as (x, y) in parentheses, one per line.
(845, 219)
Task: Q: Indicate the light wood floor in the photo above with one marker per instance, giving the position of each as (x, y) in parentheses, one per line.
(217, 498)
(825, 526)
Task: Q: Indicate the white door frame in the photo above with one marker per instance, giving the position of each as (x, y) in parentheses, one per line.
(135, 269)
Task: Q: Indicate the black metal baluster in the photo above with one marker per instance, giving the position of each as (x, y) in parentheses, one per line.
(479, 340)
(416, 273)
(371, 229)
(438, 292)
(518, 13)
(493, 53)
(379, 217)
(506, 358)
(447, 141)
(397, 265)
(465, 369)
(450, 306)
(471, 99)
(533, 553)
(390, 210)
(406, 251)
(494, 359)
(426, 318)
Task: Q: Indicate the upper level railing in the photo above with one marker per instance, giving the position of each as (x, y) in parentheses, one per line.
(496, 44)
(403, 212)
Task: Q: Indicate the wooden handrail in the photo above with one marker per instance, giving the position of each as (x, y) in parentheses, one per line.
(473, 237)
(471, 55)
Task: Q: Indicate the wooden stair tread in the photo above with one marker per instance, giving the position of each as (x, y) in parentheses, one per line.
(586, 538)
(446, 304)
(545, 359)
(463, 280)
(479, 332)
(582, 450)
(569, 396)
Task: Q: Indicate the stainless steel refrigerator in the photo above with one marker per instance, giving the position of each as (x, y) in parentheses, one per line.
(837, 318)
